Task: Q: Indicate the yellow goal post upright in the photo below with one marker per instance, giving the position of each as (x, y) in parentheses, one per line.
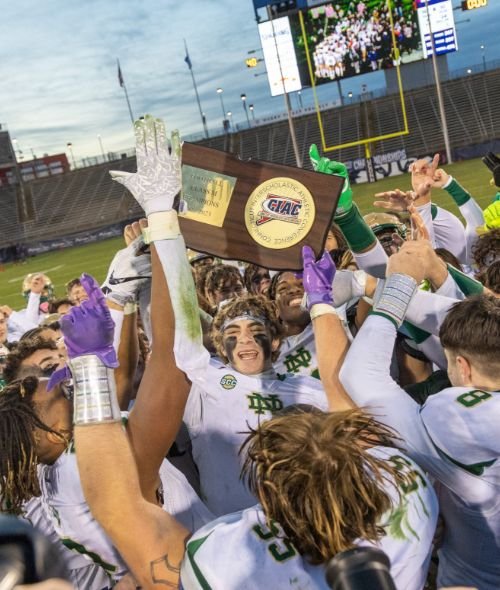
(369, 140)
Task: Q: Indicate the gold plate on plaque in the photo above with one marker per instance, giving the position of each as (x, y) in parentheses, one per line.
(205, 195)
(279, 213)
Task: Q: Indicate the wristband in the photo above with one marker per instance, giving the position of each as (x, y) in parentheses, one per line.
(319, 309)
(395, 298)
(163, 225)
(94, 395)
(129, 308)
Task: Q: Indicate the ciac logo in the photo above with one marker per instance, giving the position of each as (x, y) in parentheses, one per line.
(280, 208)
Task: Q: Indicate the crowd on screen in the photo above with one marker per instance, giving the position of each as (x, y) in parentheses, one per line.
(198, 423)
(356, 38)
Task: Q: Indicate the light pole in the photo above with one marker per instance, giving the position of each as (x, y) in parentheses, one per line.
(349, 94)
(251, 108)
(244, 101)
(102, 148)
(230, 119)
(299, 94)
(219, 92)
(482, 47)
(70, 148)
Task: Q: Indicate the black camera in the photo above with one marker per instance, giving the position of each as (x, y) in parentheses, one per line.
(26, 556)
(362, 568)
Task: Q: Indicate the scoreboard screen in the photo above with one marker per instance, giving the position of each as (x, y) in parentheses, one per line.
(346, 38)
(437, 16)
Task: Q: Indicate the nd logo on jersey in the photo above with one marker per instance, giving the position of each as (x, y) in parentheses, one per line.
(228, 382)
(264, 403)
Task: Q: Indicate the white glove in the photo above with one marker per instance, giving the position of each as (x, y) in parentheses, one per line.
(158, 178)
(129, 270)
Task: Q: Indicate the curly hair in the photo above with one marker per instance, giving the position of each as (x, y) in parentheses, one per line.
(486, 249)
(18, 459)
(492, 277)
(313, 474)
(256, 305)
(251, 271)
(218, 275)
(23, 349)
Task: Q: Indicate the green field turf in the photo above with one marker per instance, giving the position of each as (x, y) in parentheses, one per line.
(63, 265)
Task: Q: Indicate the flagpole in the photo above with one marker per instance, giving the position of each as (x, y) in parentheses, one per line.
(190, 66)
(121, 81)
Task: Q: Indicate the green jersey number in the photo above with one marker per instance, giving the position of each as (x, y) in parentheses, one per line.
(472, 398)
(281, 548)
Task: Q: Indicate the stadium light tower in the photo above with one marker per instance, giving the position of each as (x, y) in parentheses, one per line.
(102, 148)
(244, 101)
(442, 113)
(482, 48)
(219, 92)
(299, 94)
(70, 148)
(251, 108)
(230, 119)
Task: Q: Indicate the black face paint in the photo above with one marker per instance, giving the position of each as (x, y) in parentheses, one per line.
(229, 346)
(264, 342)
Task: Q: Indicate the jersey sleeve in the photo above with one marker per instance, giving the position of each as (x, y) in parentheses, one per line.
(190, 354)
(463, 423)
(366, 378)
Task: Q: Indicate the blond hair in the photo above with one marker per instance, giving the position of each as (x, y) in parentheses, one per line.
(313, 474)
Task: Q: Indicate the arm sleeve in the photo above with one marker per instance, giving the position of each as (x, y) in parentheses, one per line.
(117, 317)
(32, 309)
(366, 377)
(449, 233)
(471, 212)
(426, 214)
(428, 310)
(450, 289)
(433, 350)
(190, 354)
(347, 285)
(373, 261)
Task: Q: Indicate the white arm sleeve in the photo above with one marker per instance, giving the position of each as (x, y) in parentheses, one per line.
(450, 289)
(474, 218)
(428, 310)
(374, 261)
(433, 350)
(32, 309)
(347, 285)
(426, 214)
(366, 377)
(190, 354)
(449, 233)
(117, 317)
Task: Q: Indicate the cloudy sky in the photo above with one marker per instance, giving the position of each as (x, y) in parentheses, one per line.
(58, 73)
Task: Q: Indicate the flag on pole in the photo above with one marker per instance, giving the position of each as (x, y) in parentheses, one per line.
(120, 76)
(187, 58)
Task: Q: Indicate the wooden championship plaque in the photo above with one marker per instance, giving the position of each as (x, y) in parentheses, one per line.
(252, 210)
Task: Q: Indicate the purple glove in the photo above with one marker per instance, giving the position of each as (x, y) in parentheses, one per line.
(88, 329)
(317, 277)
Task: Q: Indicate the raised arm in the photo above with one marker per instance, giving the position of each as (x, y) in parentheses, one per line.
(150, 540)
(155, 185)
(331, 340)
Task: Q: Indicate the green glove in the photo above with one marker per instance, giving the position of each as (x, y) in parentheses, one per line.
(327, 166)
(492, 215)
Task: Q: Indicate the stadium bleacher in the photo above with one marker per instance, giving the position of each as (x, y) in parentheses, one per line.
(86, 198)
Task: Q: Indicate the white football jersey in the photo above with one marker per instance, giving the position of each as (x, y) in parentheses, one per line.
(63, 498)
(222, 407)
(242, 551)
(83, 574)
(298, 354)
(454, 437)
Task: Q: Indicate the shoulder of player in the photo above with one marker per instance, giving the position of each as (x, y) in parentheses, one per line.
(465, 397)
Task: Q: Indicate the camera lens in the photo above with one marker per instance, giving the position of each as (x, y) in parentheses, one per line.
(361, 568)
